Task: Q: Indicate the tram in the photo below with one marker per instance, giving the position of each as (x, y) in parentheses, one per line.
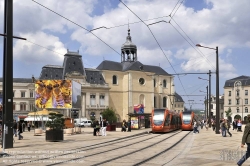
(164, 120)
(187, 118)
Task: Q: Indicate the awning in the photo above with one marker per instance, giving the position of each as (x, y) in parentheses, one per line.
(38, 118)
(43, 112)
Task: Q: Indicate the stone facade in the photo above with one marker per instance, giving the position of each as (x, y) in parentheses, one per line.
(236, 96)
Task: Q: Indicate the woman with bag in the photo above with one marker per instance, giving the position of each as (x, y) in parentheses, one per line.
(124, 126)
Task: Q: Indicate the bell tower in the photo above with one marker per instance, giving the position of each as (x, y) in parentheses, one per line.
(129, 50)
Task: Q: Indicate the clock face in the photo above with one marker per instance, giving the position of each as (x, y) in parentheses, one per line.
(237, 84)
(141, 81)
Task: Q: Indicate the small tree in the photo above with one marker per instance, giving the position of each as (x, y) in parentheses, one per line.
(228, 112)
(109, 115)
(56, 121)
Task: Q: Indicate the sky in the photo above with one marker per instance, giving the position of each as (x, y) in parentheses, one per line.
(53, 26)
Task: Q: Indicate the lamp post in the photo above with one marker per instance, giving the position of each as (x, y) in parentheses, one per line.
(206, 104)
(209, 97)
(217, 89)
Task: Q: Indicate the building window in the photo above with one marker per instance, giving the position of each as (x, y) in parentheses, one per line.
(246, 101)
(238, 110)
(229, 101)
(32, 106)
(114, 80)
(237, 93)
(246, 92)
(237, 101)
(164, 102)
(154, 82)
(13, 93)
(22, 94)
(31, 94)
(102, 100)
(229, 93)
(14, 106)
(142, 99)
(154, 102)
(92, 100)
(164, 83)
(22, 106)
(246, 110)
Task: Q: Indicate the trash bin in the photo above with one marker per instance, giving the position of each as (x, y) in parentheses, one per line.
(147, 123)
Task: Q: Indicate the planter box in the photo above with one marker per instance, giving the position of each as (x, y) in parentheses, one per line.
(111, 128)
(54, 135)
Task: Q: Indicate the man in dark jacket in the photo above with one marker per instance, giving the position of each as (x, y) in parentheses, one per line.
(20, 130)
(245, 139)
(15, 128)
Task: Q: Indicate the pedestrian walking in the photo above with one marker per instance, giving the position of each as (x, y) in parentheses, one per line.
(235, 124)
(23, 126)
(15, 128)
(245, 140)
(239, 124)
(223, 128)
(124, 126)
(94, 127)
(20, 130)
(104, 127)
(97, 128)
(195, 127)
(213, 125)
(206, 125)
(28, 126)
(228, 126)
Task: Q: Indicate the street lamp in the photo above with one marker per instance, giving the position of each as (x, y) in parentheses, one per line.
(217, 89)
(206, 103)
(209, 99)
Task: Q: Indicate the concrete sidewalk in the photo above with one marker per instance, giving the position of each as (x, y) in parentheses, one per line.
(210, 149)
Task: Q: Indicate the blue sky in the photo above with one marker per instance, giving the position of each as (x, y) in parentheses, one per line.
(207, 22)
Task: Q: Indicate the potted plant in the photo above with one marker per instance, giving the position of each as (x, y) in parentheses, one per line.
(109, 115)
(56, 125)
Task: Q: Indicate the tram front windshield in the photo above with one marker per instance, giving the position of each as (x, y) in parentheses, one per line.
(158, 117)
(186, 119)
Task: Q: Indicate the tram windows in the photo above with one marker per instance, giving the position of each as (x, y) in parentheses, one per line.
(167, 120)
(186, 119)
(158, 117)
(172, 120)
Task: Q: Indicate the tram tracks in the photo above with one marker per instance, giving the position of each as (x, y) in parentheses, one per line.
(89, 147)
(144, 150)
(117, 150)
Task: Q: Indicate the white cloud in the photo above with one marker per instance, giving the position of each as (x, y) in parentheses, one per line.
(223, 25)
(30, 53)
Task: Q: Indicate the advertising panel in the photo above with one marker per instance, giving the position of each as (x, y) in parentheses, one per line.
(139, 109)
(76, 95)
(53, 94)
(134, 123)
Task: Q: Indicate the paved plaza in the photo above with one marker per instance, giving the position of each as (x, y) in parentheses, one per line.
(204, 149)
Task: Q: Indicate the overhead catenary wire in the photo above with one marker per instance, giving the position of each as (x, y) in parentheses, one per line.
(191, 41)
(52, 50)
(155, 40)
(78, 26)
(176, 9)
